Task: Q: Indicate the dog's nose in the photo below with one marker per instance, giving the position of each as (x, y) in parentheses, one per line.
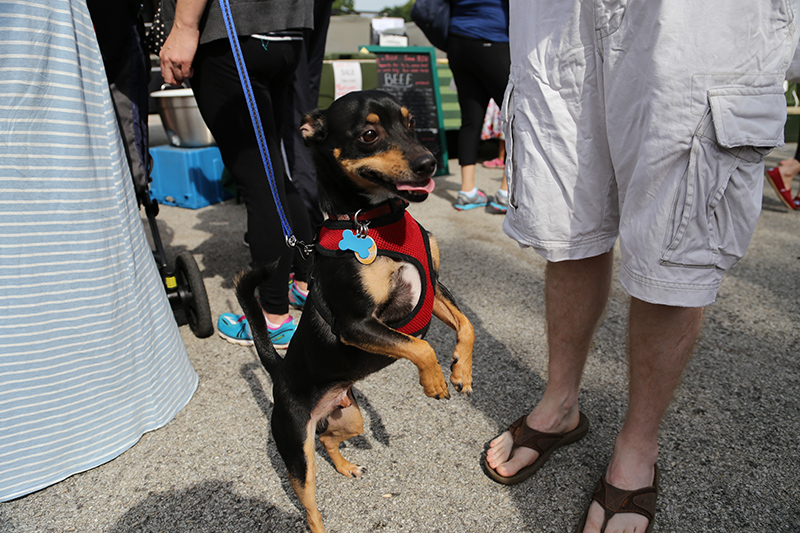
(424, 165)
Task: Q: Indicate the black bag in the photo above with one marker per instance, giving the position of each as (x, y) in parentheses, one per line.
(155, 38)
(433, 18)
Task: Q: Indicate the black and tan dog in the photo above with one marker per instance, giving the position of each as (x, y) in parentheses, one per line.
(373, 289)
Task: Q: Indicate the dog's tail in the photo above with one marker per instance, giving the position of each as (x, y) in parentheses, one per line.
(246, 285)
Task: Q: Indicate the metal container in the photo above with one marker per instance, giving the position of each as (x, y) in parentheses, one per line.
(182, 119)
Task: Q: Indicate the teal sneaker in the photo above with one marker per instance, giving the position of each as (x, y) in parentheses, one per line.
(465, 203)
(296, 296)
(234, 329)
(282, 335)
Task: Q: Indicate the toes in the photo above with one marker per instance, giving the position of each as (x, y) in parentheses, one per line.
(498, 451)
(521, 458)
(594, 520)
(493, 459)
(498, 440)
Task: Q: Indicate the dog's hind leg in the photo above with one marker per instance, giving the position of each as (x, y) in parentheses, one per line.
(343, 423)
(448, 312)
(294, 437)
(306, 488)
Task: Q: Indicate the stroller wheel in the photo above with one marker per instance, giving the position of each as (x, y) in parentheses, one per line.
(193, 295)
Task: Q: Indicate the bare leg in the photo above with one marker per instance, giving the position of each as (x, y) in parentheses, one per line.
(276, 319)
(789, 168)
(467, 177)
(661, 339)
(575, 295)
(504, 182)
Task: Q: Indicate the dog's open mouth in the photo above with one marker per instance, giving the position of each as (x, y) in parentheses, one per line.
(422, 186)
(411, 190)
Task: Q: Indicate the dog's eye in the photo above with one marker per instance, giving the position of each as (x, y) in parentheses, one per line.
(412, 123)
(369, 136)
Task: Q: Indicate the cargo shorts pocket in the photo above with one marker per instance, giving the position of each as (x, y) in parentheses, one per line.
(717, 203)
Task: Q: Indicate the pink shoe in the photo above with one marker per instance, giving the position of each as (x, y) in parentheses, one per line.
(495, 163)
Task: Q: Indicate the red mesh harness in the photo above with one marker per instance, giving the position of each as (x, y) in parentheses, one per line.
(399, 236)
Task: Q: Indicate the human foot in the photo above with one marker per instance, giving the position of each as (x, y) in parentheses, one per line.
(625, 506)
(776, 180)
(519, 452)
(789, 169)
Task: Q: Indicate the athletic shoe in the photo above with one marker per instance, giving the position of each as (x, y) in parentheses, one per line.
(498, 204)
(465, 203)
(495, 163)
(296, 297)
(234, 329)
(282, 335)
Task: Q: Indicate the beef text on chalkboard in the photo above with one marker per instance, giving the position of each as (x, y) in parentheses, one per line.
(409, 74)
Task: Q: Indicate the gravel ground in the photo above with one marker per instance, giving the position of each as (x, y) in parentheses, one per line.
(729, 444)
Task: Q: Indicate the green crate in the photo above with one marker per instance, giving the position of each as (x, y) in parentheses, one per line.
(450, 110)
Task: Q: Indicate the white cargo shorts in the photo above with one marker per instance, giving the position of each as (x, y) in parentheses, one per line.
(646, 121)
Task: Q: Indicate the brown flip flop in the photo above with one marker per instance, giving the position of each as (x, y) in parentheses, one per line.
(614, 501)
(544, 443)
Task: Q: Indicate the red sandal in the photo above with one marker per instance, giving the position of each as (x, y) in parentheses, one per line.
(775, 179)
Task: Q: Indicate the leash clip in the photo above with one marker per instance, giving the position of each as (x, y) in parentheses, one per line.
(305, 250)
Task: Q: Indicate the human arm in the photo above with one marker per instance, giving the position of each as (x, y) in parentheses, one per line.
(180, 47)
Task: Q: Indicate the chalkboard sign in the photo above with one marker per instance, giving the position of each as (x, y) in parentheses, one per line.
(409, 74)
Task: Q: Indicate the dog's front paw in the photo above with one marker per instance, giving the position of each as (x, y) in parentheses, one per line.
(461, 380)
(461, 374)
(433, 383)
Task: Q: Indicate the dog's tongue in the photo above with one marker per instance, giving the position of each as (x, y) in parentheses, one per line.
(416, 187)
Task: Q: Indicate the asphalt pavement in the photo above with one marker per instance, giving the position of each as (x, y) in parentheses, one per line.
(729, 445)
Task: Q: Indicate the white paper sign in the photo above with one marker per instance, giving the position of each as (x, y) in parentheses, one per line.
(346, 77)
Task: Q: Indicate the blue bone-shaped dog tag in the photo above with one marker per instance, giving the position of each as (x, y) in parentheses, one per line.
(364, 247)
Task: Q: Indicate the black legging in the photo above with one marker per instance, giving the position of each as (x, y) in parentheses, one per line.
(220, 99)
(480, 71)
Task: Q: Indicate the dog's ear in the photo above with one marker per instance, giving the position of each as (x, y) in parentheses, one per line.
(314, 127)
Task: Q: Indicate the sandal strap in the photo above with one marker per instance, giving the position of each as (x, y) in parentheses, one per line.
(615, 500)
(527, 437)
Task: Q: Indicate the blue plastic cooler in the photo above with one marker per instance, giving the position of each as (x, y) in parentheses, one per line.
(187, 177)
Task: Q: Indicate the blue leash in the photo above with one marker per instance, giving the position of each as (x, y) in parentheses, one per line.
(255, 118)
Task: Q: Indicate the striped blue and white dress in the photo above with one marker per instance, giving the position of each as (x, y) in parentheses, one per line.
(90, 356)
